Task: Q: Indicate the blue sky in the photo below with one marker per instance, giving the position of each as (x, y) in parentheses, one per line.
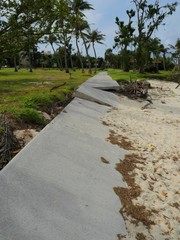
(103, 18)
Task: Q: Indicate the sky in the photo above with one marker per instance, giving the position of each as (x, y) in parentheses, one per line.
(104, 14)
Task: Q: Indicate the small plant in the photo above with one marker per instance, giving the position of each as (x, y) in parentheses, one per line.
(30, 116)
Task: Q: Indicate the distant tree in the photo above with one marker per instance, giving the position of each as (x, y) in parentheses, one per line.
(176, 52)
(95, 36)
(52, 39)
(124, 37)
(149, 17)
(80, 24)
(112, 60)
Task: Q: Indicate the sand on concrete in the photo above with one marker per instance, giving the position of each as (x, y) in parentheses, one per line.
(154, 136)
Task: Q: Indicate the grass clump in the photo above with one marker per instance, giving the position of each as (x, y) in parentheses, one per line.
(41, 100)
(30, 116)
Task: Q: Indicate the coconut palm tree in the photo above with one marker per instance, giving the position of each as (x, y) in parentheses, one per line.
(95, 36)
(78, 7)
(83, 29)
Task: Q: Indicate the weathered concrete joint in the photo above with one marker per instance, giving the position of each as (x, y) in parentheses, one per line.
(93, 90)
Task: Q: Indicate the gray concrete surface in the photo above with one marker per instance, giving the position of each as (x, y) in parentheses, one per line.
(96, 95)
(57, 187)
(94, 90)
(102, 81)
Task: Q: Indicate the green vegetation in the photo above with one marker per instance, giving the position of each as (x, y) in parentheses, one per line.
(61, 23)
(24, 94)
(139, 37)
(118, 74)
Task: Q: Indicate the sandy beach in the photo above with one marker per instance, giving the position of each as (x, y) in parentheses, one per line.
(151, 201)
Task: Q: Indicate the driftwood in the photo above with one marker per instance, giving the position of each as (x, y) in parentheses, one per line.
(8, 143)
(177, 86)
(135, 89)
(55, 87)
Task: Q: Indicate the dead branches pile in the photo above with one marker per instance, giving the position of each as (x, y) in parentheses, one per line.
(8, 143)
(135, 89)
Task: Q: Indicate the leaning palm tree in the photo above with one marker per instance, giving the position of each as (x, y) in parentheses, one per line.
(77, 36)
(95, 36)
(83, 29)
(78, 7)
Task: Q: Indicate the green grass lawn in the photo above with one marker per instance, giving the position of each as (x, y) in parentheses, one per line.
(23, 93)
(118, 74)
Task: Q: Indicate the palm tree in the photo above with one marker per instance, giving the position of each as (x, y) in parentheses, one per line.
(95, 36)
(78, 7)
(53, 39)
(83, 29)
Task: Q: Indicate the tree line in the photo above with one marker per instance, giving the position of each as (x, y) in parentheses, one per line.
(25, 23)
(138, 49)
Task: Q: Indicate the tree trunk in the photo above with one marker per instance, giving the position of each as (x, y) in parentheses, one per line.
(164, 61)
(59, 61)
(15, 64)
(30, 63)
(87, 54)
(65, 58)
(79, 55)
(95, 55)
(125, 60)
(72, 65)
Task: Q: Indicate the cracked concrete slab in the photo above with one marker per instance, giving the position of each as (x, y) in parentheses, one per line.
(97, 95)
(95, 90)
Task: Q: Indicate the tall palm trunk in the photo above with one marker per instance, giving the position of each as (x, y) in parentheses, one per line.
(95, 55)
(164, 61)
(65, 54)
(87, 54)
(59, 61)
(79, 55)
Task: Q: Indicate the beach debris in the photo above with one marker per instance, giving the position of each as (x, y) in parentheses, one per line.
(8, 143)
(104, 160)
(135, 89)
(177, 86)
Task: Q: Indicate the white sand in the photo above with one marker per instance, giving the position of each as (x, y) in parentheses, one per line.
(155, 133)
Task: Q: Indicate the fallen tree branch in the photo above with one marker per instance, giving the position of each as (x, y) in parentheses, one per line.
(177, 86)
(58, 86)
(135, 89)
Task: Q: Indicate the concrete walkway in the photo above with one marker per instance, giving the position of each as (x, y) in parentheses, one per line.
(57, 187)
